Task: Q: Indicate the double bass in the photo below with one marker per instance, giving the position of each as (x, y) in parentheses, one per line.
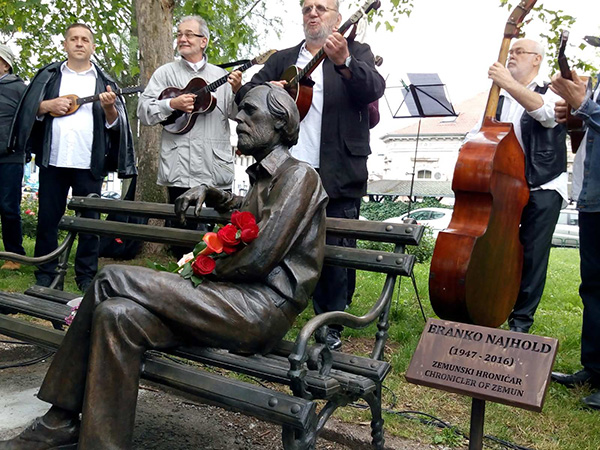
(476, 265)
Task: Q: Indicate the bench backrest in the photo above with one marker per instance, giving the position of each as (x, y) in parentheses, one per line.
(396, 262)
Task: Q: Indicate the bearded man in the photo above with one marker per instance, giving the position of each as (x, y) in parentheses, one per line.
(334, 135)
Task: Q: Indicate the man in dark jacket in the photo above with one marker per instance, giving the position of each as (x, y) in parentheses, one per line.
(74, 149)
(334, 135)
(11, 164)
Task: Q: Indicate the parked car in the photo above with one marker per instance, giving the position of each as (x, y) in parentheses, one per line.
(437, 219)
(30, 190)
(566, 233)
(111, 194)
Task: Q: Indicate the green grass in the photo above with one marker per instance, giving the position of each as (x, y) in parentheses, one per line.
(563, 424)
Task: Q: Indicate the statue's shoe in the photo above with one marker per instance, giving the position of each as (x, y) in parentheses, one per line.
(41, 436)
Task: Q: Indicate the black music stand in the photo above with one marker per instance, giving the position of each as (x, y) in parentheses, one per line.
(426, 96)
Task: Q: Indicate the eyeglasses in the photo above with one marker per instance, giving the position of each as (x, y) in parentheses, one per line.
(188, 35)
(306, 10)
(520, 51)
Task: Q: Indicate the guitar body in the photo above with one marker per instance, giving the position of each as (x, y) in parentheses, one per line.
(301, 92)
(180, 122)
(476, 266)
(74, 105)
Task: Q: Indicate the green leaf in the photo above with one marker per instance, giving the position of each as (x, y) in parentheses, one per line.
(196, 280)
(187, 271)
(172, 267)
(199, 247)
(157, 266)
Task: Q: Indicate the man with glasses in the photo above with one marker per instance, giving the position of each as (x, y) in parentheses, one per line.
(334, 135)
(527, 103)
(203, 155)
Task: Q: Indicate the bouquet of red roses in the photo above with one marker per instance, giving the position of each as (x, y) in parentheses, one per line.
(226, 241)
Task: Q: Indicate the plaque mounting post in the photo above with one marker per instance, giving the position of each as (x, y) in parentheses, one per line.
(477, 419)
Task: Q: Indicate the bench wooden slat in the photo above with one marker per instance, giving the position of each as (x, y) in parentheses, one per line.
(405, 234)
(258, 401)
(32, 306)
(361, 259)
(53, 295)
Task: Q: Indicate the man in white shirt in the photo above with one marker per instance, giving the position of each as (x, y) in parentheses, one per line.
(526, 102)
(74, 150)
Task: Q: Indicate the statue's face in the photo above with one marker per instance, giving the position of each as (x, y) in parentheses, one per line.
(256, 127)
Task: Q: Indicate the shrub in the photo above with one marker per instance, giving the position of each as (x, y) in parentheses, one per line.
(29, 216)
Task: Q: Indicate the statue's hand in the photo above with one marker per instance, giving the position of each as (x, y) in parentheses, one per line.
(195, 195)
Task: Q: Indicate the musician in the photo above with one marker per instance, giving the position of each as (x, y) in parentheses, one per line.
(74, 151)
(585, 104)
(526, 102)
(247, 305)
(11, 164)
(334, 135)
(203, 155)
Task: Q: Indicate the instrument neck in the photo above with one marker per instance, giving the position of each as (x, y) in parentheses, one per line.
(93, 98)
(492, 103)
(212, 87)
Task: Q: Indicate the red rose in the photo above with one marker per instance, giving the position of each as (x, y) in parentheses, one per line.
(203, 265)
(242, 219)
(227, 234)
(229, 250)
(249, 234)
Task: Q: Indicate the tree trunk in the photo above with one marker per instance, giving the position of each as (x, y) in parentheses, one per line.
(155, 34)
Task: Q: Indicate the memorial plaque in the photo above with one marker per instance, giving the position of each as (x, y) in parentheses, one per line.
(484, 363)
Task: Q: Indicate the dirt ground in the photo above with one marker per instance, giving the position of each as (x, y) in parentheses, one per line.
(166, 420)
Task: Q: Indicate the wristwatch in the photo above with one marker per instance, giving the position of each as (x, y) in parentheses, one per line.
(345, 65)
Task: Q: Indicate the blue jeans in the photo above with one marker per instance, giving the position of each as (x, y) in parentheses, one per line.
(589, 290)
(11, 176)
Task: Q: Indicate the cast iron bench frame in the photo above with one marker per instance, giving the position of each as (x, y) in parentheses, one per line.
(311, 371)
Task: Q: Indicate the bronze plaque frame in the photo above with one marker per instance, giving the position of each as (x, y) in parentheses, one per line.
(485, 363)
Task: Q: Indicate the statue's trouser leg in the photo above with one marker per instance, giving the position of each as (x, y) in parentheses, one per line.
(121, 331)
(242, 316)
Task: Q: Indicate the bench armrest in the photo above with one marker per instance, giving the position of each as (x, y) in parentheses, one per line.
(319, 356)
(35, 260)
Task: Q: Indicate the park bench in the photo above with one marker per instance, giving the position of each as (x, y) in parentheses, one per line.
(318, 380)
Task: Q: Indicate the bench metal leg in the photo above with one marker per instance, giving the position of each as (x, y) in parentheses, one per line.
(294, 439)
(374, 401)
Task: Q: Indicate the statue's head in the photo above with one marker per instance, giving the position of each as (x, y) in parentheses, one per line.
(267, 117)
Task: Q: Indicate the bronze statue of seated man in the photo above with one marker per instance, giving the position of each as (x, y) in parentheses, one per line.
(247, 304)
